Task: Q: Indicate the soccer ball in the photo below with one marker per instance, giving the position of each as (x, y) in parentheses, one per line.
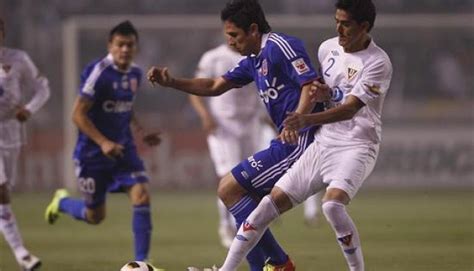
(137, 266)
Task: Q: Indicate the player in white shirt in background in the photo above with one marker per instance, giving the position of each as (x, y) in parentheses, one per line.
(357, 75)
(231, 121)
(18, 76)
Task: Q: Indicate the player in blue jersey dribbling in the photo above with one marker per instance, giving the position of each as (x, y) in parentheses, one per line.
(281, 69)
(105, 154)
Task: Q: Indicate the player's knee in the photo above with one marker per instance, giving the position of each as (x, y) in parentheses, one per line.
(139, 195)
(95, 217)
(229, 190)
(332, 208)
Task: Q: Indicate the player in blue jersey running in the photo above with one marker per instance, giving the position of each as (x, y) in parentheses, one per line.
(281, 69)
(105, 154)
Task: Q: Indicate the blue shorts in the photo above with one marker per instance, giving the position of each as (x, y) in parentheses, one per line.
(96, 179)
(259, 173)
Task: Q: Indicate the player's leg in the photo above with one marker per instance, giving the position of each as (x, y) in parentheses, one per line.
(91, 208)
(225, 152)
(131, 177)
(312, 209)
(293, 188)
(345, 172)
(256, 176)
(8, 224)
(141, 219)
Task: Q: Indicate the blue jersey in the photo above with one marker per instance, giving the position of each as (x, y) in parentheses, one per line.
(280, 70)
(112, 92)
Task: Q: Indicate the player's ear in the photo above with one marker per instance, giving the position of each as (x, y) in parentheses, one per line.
(365, 25)
(254, 30)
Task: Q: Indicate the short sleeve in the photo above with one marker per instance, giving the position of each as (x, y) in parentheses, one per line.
(291, 56)
(242, 74)
(90, 80)
(374, 82)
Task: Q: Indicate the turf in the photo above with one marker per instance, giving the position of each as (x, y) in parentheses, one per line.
(401, 230)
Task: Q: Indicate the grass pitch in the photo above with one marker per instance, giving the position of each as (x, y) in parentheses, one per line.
(400, 230)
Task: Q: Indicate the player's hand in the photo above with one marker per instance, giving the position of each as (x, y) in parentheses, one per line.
(111, 149)
(296, 121)
(152, 139)
(160, 76)
(320, 92)
(289, 136)
(22, 114)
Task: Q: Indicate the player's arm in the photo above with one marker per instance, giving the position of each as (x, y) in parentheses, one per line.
(305, 105)
(345, 111)
(109, 148)
(39, 84)
(207, 120)
(150, 138)
(196, 86)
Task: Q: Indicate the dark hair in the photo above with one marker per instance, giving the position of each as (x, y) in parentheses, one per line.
(243, 13)
(360, 10)
(124, 28)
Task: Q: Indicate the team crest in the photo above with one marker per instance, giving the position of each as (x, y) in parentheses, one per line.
(6, 67)
(346, 240)
(264, 68)
(300, 66)
(351, 72)
(134, 84)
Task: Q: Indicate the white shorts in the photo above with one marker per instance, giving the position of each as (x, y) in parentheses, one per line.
(8, 165)
(229, 146)
(322, 166)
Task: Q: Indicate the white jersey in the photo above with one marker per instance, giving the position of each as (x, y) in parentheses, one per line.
(240, 104)
(18, 76)
(365, 74)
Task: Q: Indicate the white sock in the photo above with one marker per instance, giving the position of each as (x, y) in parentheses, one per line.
(226, 219)
(10, 231)
(346, 233)
(311, 206)
(250, 233)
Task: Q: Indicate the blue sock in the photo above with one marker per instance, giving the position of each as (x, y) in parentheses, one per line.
(141, 225)
(267, 246)
(73, 207)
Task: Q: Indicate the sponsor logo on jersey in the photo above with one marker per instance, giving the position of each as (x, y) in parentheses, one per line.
(254, 163)
(346, 240)
(264, 68)
(117, 106)
(248, 227)
(300, 66)
(335, 53)
(351, 72)
(272, 90)
(244, 174)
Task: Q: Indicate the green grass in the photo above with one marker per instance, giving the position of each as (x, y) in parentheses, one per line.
(402, 230)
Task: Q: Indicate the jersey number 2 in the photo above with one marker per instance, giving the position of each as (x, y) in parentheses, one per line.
(331, 62)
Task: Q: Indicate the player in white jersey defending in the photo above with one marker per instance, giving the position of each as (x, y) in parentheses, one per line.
(18, 76)
(231, 121)
(357, 75)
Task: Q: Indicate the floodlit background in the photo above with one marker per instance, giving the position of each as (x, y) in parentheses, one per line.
(428, 132)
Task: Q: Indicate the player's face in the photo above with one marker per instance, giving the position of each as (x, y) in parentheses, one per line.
(123, 49)
(242, 42)
(352, 35)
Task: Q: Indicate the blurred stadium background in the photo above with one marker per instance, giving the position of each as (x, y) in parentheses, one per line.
(428, 132)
